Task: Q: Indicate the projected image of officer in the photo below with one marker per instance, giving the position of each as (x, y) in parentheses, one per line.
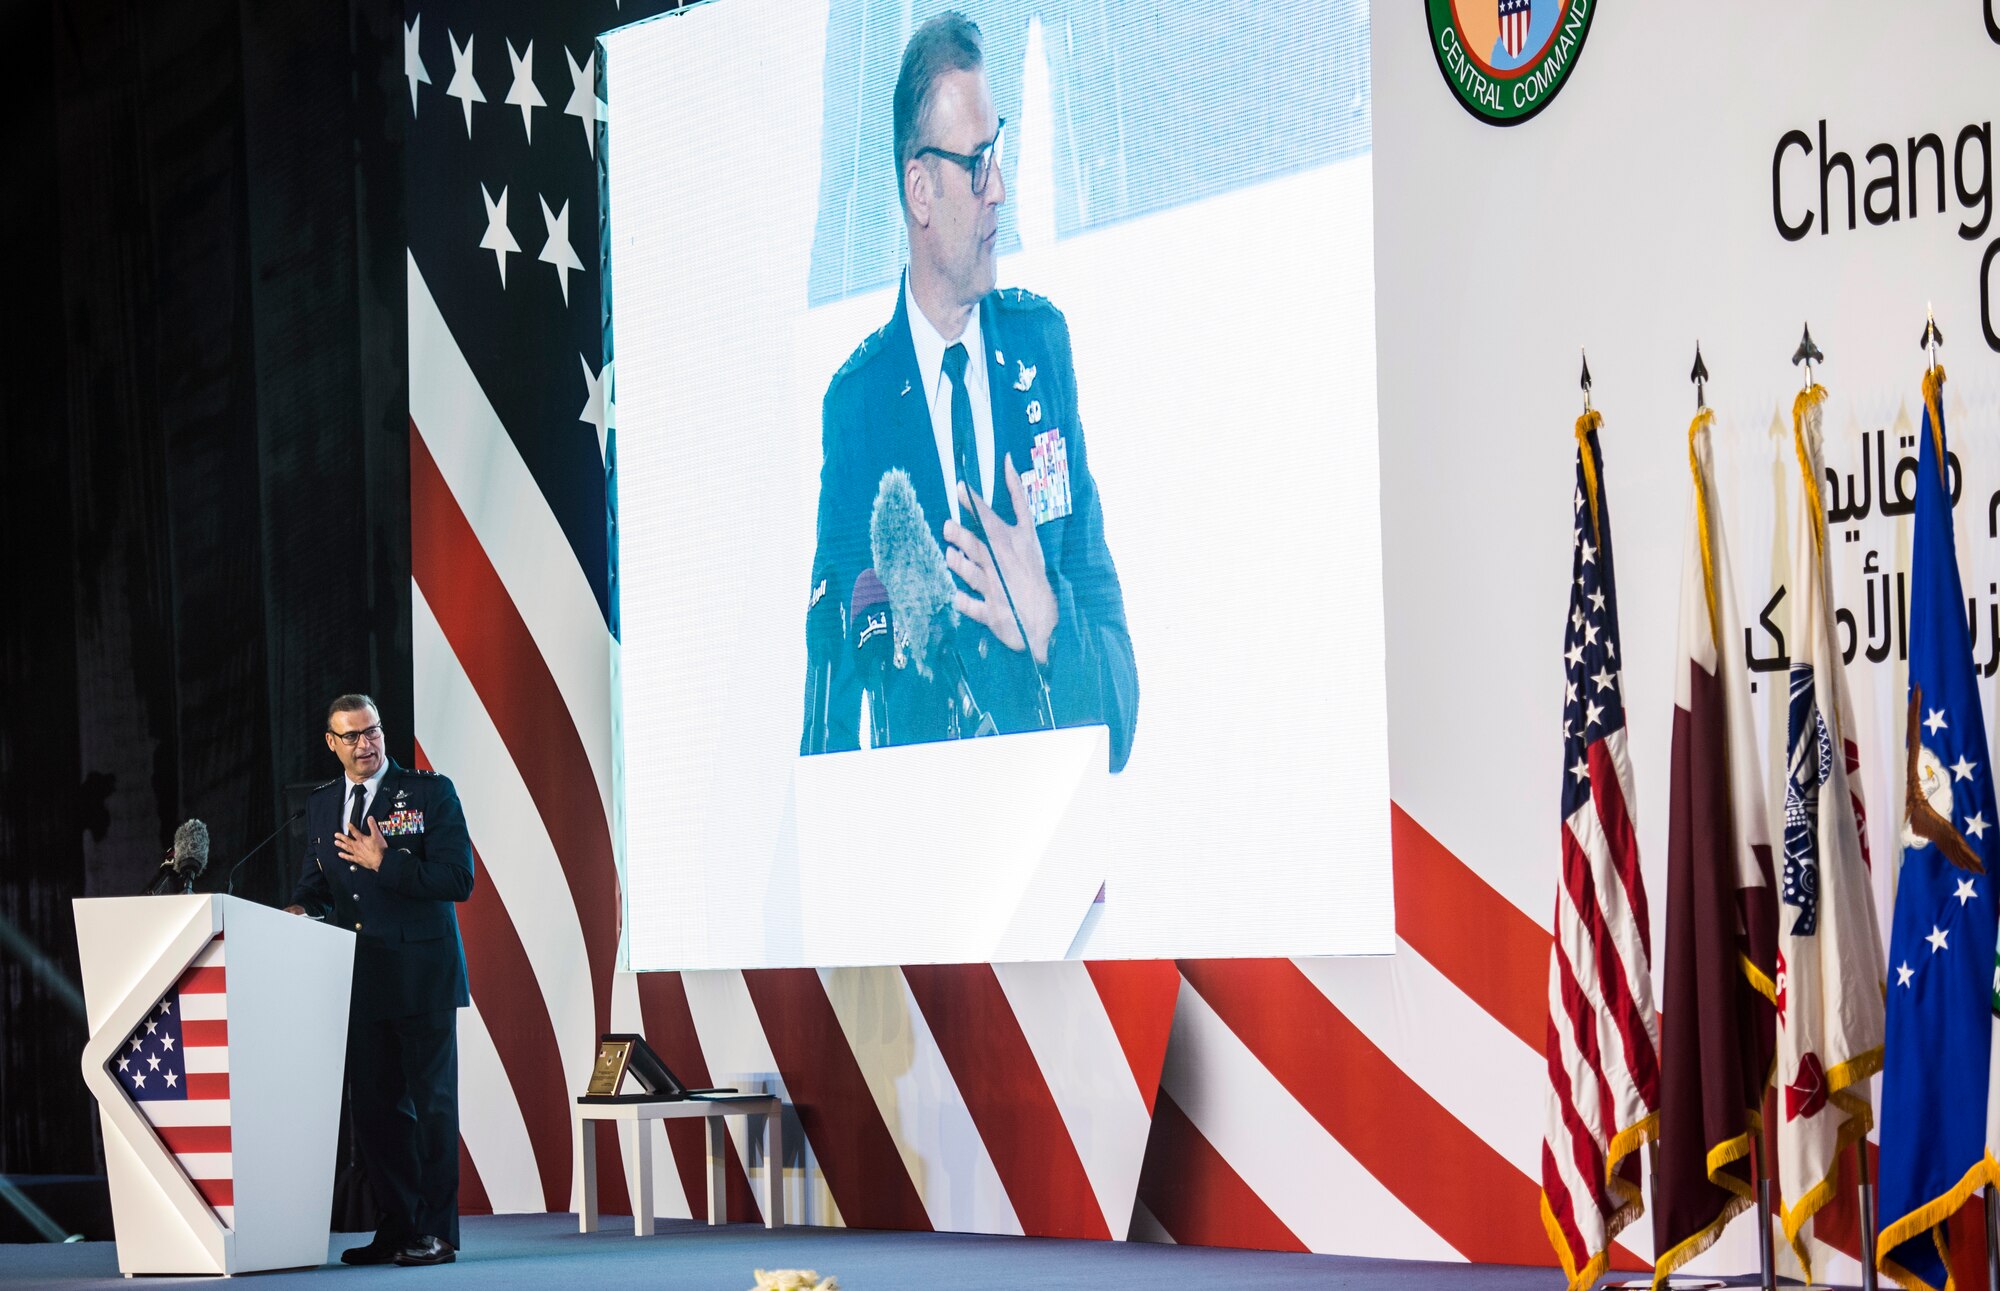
(961, 583)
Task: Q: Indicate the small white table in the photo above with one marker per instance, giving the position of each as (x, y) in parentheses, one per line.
(633, 1118)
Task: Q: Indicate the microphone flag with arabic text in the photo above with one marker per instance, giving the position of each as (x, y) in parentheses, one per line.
(1939, 1025)
(1721, 954)
(1603, 1036)
(1829, 976)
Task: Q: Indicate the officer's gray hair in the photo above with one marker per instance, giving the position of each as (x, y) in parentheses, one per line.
(949, 42)
(349, 704)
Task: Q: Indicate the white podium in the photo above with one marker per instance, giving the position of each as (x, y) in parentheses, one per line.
(953, 852)
(218, 1033)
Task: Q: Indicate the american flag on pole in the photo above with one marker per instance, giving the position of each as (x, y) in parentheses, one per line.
(1603, 1037)
(175, 1065)
(1515, 17)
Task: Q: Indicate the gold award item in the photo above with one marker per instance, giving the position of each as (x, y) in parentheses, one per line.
(609, 1073)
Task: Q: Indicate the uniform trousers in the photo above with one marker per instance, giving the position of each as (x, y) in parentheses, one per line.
(402, 1076)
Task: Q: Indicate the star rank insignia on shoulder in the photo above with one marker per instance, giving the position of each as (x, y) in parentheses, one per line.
(869, 347)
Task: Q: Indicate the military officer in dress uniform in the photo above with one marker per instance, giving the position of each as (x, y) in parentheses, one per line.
(388, 856)
(970, 391)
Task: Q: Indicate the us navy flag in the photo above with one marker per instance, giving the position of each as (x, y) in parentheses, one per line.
(1940, 1021)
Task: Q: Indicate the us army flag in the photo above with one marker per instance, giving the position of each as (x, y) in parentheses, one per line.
(1717, 1046)
(1829, 950)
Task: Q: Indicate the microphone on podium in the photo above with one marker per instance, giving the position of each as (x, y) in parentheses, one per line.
(190, 852)
(185, 860)
(912, 569)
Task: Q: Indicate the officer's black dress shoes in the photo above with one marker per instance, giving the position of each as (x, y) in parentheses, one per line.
(380, 1250)
(427, 1250)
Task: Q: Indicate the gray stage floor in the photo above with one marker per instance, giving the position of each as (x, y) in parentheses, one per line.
(508, 1251)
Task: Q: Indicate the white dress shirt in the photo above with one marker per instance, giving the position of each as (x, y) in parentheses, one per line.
(930, 347)
(372, 783)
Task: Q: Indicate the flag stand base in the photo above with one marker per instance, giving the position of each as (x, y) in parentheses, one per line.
(1768, 1270)
(1867, 1201)
(1992, 1238)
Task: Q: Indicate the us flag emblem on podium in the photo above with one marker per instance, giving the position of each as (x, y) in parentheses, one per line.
(175, 1067)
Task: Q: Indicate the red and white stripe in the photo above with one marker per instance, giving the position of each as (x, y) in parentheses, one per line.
(1603, 1036)
(513, 670)
(196, 1130)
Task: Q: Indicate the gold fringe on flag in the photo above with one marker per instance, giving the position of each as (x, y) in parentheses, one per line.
(1591, 420)
(1702, 421)
(1808, 399)
(1933, 395)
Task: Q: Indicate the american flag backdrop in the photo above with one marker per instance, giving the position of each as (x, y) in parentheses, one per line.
(175, 1065)
(1384, 1106)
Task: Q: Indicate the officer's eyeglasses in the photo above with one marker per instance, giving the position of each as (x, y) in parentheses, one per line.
(351, 738)
(979, 164)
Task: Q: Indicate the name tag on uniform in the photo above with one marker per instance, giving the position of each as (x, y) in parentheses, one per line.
(1048, 480)
(404, 822)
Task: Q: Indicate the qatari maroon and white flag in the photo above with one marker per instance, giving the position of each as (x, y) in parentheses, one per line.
(1721, 953)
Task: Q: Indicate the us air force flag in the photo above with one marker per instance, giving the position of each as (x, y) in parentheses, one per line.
(1939, 1015)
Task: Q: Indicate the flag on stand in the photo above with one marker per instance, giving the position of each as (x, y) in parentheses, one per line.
(175, 1065)
(1721, 952)
(1829, 948)
(1939, 1025)
(1603, 1037)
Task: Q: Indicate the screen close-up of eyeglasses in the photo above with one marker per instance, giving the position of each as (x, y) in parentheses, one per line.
(978, 164)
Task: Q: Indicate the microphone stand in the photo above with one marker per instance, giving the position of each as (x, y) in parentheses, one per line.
(964, 704)
(229, 885)
(161, 877)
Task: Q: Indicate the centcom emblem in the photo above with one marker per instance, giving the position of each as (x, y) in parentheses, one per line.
(1505, 60)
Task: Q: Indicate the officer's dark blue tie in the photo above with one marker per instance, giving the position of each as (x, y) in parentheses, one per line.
(964, 447)
(355, 816)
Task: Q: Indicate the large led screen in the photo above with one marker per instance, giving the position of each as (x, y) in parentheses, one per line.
(1120, 697)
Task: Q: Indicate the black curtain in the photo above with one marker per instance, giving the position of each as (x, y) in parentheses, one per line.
(203, 464)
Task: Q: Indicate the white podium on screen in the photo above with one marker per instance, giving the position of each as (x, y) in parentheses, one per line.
(284, 997)
(964, 851)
